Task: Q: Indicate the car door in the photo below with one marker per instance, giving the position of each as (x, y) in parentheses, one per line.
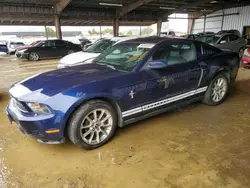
(62, 48)
(236, 43)
(224, 43)
(47, 49)
(180, 77)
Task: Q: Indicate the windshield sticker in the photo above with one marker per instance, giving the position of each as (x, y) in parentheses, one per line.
(146, 45)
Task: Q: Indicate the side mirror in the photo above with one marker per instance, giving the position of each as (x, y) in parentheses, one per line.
(157, 65)
(223, 42)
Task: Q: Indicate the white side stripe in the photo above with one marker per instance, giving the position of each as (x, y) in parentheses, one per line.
(163, 102)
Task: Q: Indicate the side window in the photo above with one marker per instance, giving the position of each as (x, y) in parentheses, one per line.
(224, 39)
(207, 50)
(175, 53)
(233, 37)
(51, 43)
(60, 43)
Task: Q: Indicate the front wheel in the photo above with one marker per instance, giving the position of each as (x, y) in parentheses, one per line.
(92, 125)
(217, 90)
(34, 56)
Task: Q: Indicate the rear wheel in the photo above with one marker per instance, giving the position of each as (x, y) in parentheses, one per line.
(217, 90)
(34, 56)
(92, 125)
(241, 52)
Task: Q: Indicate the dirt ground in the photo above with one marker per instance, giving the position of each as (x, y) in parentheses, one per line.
(194, 147)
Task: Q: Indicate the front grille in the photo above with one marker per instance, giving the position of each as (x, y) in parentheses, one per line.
(19, 106)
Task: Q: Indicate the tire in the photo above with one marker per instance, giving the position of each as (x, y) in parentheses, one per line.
(210, 98)
(80, 125)
(241, 52)
(33, 56)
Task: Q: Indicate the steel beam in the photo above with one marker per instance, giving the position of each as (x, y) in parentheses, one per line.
(128, 8)
(60, 5)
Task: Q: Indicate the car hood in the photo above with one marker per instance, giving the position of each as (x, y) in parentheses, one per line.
(23, 47)
(78, 57)
(53, 82)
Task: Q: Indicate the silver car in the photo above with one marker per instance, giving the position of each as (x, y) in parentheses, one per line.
(226, 42)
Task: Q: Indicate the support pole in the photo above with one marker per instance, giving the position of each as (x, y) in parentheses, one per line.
(205, 20)
(100, 30)
(140, 30)
(46, 32)
(58, 27)
(222, 22)
(116, 27)
(159, 26)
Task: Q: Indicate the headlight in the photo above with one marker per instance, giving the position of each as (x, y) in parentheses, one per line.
(22, 51)
(39, 108)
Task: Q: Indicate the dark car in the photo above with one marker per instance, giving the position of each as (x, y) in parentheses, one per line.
(226, 42)
(128, 82)
(3, 48)
(190, 36)
(232, 31)
(49, 49)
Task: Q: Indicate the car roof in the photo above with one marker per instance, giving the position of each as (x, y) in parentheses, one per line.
(156, 40)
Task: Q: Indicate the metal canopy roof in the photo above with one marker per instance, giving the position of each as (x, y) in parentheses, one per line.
(96, 12)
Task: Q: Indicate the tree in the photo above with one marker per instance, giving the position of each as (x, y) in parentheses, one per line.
(93, 32)
(147, 31)
(129, 33)
(50, 32)
(107, 31)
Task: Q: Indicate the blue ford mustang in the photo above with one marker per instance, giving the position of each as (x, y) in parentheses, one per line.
(129, 82)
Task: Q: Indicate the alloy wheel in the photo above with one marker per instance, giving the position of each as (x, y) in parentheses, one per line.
(96, 126)
(34, 56)
(219, 90)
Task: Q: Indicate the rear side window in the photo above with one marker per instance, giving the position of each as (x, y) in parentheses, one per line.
(61, 43)
(233, 37)
(175, 53)
(208, 50)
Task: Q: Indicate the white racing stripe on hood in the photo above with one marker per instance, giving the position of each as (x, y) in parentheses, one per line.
(19, 90)
(77, 57)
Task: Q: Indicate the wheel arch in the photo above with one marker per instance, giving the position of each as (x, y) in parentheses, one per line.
(222, 71)
(113, 103)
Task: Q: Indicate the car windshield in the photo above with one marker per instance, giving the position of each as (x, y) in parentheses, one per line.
(40, 44)
(211, 39)
(100, 45)
(125, 56)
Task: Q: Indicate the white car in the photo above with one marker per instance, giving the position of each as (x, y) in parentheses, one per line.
(90, 53)
(12, 46)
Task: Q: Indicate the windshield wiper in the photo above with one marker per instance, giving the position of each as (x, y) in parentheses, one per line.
(110, 66)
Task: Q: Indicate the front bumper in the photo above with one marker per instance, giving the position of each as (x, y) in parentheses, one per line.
(35, 125)
(22, 55)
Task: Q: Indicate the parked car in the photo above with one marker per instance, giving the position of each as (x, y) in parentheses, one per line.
(3, 48)
(12, 46)
(90, 53)
(245, 61)
(190, 36)
(130, 81)
(167, 34)
(232, 31)
(206, 33)
(27, 46)
(49, 49)
(85, 43)
(226, 42)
